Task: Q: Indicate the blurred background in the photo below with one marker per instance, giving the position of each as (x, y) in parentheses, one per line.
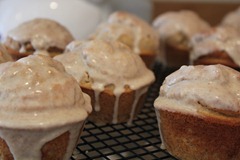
(82, 16)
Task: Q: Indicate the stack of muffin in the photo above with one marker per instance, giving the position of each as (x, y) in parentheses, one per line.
(186, 39)
(198, 108)
(45, 89)
(47, 79)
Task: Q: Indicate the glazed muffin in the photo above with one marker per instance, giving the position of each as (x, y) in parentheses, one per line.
(42, 110)
(175, 29)
(115, 78)
(37, 34)
(232, 19)
(218, 46)
(198, 113)
(4, 55)
(133, 32)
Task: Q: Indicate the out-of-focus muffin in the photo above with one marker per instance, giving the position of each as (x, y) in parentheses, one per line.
(175, 29)
(42, 110)
(232, 19)
(132, 31)
(198, 113)
(217, 46)
(115, 78)
(4, 55)
(37, 34)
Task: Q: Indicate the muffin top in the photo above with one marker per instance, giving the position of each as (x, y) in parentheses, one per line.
(194, 89)
(105, 63)
(130, 30)
(222, 38)
(232, 19)
(4, 55)
(41, 33)
(184, 22)
(36, 92)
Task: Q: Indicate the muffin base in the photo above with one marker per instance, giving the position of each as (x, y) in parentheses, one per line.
(17, 55)
(54, 149)
(107, 100)
(192, 138)
(58, 148)
(148, 59)
(176, 56)
(220, 57)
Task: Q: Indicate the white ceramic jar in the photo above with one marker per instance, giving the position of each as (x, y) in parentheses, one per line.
(80, 16)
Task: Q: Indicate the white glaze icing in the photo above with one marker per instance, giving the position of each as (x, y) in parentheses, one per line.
(185, 21)
(107, 63)
(126, 24)
(41, 33)
(135, 102)
(115, 109)
(191, 87)
(4, 55)
(39, 102)
(97, 105)
(163, 146)
(218, 39)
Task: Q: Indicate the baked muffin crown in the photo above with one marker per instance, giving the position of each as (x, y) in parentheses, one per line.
(195, 89)
(179, 25)
(130, 30)
(106, 63)
(221, 38)
(40, 33)
(37, 92)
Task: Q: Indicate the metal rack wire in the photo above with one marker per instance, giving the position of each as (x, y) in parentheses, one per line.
(141, 140)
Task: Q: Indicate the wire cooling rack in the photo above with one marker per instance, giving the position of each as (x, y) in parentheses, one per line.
(141, 140)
